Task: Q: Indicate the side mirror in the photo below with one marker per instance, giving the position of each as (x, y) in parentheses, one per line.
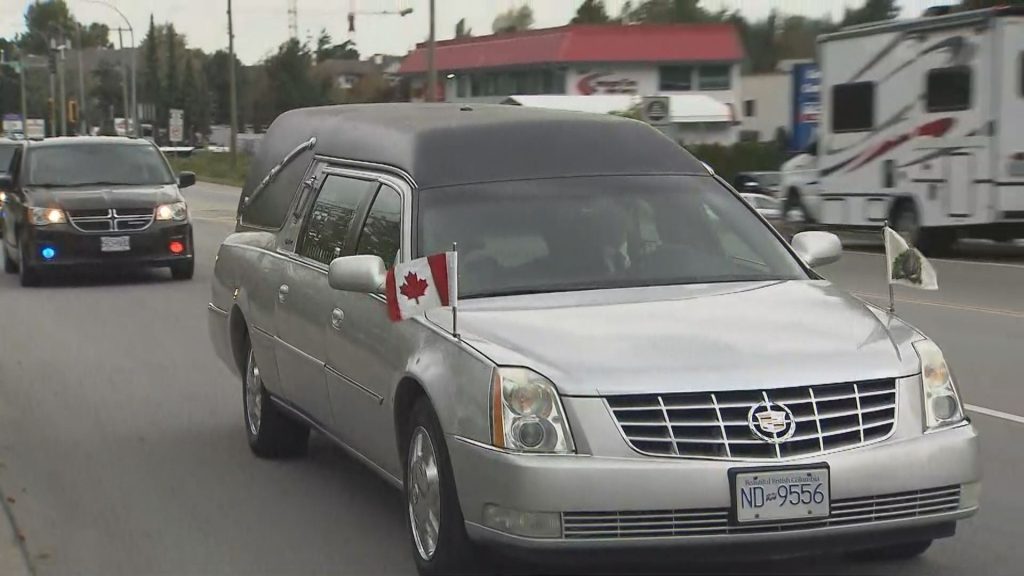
(364, 274)
(6, 182)
(817, 248)
(186, 179)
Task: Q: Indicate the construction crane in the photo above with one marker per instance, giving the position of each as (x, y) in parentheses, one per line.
(293, 19)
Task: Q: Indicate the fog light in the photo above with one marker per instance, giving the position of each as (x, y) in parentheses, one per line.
(48, 253)
(970, 495)
(176, 247)
(528, 524)
(944, 407)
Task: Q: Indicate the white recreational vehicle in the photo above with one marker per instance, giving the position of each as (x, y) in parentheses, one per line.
(923, 125)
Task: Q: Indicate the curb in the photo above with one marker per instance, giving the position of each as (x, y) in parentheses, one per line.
(14, 556)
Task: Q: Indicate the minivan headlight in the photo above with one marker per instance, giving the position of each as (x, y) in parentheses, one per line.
(177, 211)
(527, 414)
(942, 407)
(46, 216)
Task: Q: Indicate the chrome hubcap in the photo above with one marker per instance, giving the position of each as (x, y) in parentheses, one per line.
(253, 395)
(424, 493)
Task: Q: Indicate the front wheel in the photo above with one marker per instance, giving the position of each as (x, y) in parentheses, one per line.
(904, 551)
(434, 517)
(271, 434)
(9, 266)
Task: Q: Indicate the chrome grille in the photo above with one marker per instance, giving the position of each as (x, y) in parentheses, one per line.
(115, 220)
(715, 522)
(716, 425)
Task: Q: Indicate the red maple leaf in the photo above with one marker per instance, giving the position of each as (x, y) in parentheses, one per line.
(414, 287)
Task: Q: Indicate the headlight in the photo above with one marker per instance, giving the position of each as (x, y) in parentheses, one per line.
(3, 197)
(177, 211)
(942, 406)
(46, 216)
(527, 414)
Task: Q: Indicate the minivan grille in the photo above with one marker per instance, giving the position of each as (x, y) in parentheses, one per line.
(715, 521)
(717, 424)
(116, 220)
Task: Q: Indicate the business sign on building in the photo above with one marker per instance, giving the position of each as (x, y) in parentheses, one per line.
(605, 82)
(12, 124)
(656, 110)
(35, 128)
(806, 104)
(176, 130)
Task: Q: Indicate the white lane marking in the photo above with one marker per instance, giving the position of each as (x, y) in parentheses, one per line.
(951, 306)
(223, 219)
(995, 413)
(950, 260)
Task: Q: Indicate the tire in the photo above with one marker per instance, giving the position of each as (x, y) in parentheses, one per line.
(27, 273)
(183, 270)
(271, 434)
(427, 463)
(10, 266)
(904, 551)
(793, 209)
(931, 242)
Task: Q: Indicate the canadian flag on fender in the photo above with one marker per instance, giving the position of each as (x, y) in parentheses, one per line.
(414, 287)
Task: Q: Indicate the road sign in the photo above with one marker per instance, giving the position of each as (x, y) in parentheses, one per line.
(12, 124)
(35, 128)
(655, 110)
(177, 126)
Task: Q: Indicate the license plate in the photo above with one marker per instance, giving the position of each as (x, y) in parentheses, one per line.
(773, 495)
(115, 244)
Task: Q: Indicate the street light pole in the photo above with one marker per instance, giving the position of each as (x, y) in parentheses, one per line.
(431, 62)
(131, 32)
(82, 123)
(63, 92)
(232, 81)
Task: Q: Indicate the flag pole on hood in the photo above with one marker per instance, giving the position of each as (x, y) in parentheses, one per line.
(453, 289)
(888, 280)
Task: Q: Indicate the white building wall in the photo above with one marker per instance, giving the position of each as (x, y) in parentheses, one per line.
(772, 95)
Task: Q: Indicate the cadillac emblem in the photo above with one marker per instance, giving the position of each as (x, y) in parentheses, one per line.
(771, 422)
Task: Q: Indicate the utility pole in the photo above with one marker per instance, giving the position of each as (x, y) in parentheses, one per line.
(124, 85)
(234, 88)
(24, 98)
(63, 93)
(82, 124)
(431, 62)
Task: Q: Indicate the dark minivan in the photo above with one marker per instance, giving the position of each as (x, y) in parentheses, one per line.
(94, 202)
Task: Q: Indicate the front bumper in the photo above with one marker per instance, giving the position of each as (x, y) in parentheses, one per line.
(618, 484)
(150, 247)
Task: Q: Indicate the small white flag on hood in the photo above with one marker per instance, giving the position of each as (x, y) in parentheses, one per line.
(906, 265)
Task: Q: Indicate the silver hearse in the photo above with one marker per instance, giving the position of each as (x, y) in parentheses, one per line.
(640, 360)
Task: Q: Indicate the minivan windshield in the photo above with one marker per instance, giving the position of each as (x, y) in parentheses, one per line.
(587, 233)
(101, 164)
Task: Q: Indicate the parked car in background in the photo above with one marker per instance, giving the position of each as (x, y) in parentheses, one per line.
(95, 201)
(767, 206)
(608, 385)
(766, 183)
(798, 177)
(9, 151)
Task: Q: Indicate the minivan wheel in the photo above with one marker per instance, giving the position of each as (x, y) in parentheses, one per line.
(904, 551)
(271, 434)
(433, 515)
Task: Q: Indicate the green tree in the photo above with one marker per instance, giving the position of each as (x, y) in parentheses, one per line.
(667, 11)
(514, 20)
(46, 19)
(591, 12)
(107, 91)
(217, 73)
(290, 79)
(871, 11)
(152, 92)
(172, 92)
(462, 30)
(326, 49)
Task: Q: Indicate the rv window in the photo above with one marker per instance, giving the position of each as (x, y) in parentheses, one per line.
(853, 107)
(949, 89)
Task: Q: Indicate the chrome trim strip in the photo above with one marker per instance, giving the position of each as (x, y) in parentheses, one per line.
(262, 331)
(334, 372)
(817, 420)
(214, 308)
(288, 159)
(721, 424)
(860, 412)
(482, 445)
(298, 413)
(668, 425)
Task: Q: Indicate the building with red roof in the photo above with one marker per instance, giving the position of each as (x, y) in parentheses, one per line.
(586, 60)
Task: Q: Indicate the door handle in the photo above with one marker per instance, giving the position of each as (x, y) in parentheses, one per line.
(337, 317)
(282, 293)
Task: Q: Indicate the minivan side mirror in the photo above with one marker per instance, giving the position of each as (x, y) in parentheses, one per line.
(817, 248)
(186, 179)
(364, 273)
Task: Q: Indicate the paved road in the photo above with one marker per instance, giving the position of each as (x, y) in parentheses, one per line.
(122, 450)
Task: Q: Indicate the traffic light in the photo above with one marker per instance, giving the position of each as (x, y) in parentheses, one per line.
(73, 111)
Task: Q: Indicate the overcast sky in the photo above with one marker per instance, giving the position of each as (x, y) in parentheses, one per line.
(261, 25)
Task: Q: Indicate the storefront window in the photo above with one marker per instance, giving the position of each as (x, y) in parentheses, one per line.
(714, 78)
(676, 78)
